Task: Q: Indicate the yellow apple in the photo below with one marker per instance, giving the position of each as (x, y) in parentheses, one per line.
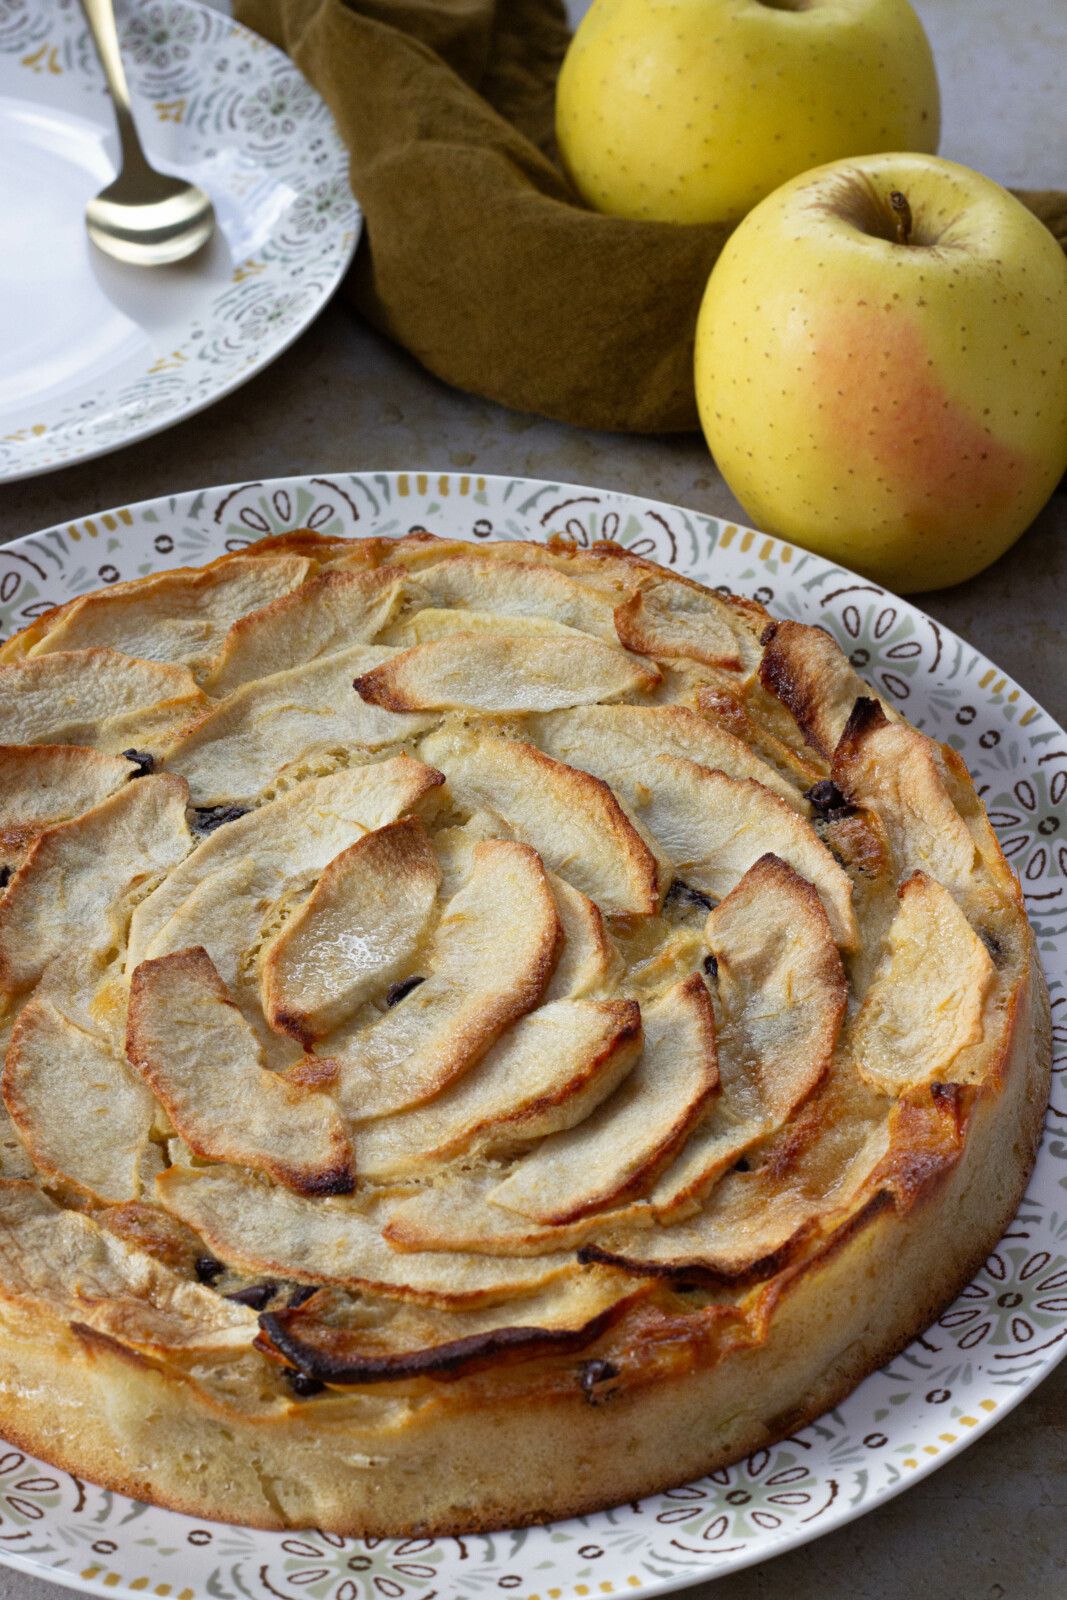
(881, 367)
(693, 110)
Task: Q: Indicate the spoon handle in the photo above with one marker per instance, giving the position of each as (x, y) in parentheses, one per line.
(100, 15)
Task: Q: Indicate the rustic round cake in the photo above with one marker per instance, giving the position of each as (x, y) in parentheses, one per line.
(490, 1031)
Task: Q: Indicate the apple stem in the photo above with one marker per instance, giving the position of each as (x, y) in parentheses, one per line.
(901, 216)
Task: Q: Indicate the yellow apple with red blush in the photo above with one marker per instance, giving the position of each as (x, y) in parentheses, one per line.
(881, 367)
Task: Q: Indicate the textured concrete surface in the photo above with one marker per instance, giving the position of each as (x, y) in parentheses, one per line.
(991, 1525)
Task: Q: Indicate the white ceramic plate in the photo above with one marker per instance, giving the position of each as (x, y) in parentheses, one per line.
(1006, 1331)
(95, 354)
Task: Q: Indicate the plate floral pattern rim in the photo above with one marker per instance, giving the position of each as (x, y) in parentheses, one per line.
(218, 89)
(1005, 1332)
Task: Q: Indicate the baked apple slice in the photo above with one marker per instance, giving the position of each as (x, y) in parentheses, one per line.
(516, 589)
(356, 933)
(262, 1227)
(713, 828)
(190, 1044)
(97, 698)
(925, 1007)
(76, 885)
(617, 1150)
(327, 614)
(357, 1343)
(547, 1073)
(671, 619)
(65, 1261)
(179, 616)
(290, 720)
(933, 819)
(42, 784)
(571, 819)
(504, 673)
(255, 855)
(53, 1064)
(488, 964)
(805, 669)
(617, 743)
(782, 995)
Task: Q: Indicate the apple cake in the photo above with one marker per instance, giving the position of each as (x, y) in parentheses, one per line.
(490, 1031)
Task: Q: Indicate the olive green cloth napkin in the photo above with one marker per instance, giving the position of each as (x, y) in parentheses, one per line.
(479, 258)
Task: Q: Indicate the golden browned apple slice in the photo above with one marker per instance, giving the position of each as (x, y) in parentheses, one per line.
(668, 619)
(547, 1073)
(782, 991)
(713, 828)
(926, 1004)
(617, 743)
(489, 962)
(189, 1043)
(65, 1261)
(617, 1151)
(501, 672)
(236, 750)
(357, 931)
(589, 959)
(571, 818)
(750, 1225)
(177, 616)
(329, 613)
(516, 589)
(808, 672)
(369, 1343)
(746, 710)
(781, 984)
(42, 784)
(811, 1180)
(53, 1066)
(254, 857)
(260, 1227)
(84, 696)
(916, 789)
(74, 888)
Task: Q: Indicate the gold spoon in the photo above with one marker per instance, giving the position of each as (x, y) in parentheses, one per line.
(143, 217)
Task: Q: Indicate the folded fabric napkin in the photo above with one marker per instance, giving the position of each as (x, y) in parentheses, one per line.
(479, 257)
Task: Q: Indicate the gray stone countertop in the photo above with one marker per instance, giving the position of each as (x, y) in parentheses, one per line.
(991, 1524)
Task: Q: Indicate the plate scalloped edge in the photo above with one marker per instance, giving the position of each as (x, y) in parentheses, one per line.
(1005, 1332)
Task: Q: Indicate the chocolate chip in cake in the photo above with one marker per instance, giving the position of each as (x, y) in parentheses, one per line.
(143, 761)
(207, 818)
(303, 1384)
(209, 1269)
(711, 966)
(5, 877)
(301, 1293)
(257, 1295)
(685, 893)
(828, 802)
(593, 1375)
(397, 991)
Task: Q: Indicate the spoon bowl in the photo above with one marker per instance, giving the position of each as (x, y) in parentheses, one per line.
(150, 225)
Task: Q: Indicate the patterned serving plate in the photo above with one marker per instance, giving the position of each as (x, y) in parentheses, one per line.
(1006, 1331)
(95, 353)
